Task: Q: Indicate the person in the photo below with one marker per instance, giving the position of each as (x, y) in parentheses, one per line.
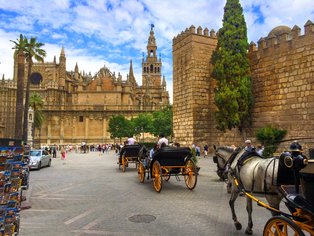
(162, 140)
(205, 150)
(248, 146)
(198, 150)
(63, 153)
(298, 162)
(131, 140)
(54, 151)
(259, 150)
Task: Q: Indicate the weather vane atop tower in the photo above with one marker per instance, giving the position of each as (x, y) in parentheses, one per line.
(152, 26)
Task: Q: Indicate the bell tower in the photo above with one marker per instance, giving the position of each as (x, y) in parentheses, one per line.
(151, 66)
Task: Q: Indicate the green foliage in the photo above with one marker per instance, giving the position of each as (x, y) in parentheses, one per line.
(162, 122)
(119, 127)
(270, 137)
(37, 103)
(233, 94)
(142, 123)
(154, 123)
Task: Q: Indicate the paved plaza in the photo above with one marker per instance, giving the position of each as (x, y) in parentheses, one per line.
(88, 195)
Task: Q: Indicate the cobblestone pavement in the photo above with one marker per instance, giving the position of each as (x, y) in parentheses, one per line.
(88, 195)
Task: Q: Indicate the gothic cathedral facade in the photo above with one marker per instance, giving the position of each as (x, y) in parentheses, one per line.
(78, 106)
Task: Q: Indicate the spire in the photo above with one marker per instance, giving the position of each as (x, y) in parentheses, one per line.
(151, 44)
(62, 52)
(76, 68)
(131, 74)
(164, 81)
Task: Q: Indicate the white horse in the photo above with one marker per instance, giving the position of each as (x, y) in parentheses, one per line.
(255, 175)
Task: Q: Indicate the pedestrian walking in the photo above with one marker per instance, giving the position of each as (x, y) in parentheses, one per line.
(63, 153)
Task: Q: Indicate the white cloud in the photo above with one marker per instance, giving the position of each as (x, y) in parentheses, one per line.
(119, 29)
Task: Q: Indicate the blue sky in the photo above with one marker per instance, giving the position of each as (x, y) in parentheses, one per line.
(95, 33)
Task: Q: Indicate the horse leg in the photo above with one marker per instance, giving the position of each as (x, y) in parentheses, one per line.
(249, 210)
(234, 195)
(274, 201)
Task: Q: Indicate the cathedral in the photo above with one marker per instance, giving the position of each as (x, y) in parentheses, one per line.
(77, 105)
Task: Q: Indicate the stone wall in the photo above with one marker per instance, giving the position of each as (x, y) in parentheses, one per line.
(192, 86)
(283, 86)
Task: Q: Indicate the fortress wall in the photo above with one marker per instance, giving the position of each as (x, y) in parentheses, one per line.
(283, 82)
(283, 87)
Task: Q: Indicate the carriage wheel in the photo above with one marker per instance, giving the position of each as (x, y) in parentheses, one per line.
(190, 175)
(279, 225)
(123, 163)
(141, 172)
(157, 175)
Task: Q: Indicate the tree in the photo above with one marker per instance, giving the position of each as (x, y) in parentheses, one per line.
(233, 94)
(118, 127)
(19, 48)
(32, 49)
(162, 122)
(142, 123)
(37, 103)
(270, 137)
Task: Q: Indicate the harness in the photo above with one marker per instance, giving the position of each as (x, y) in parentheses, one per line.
(245, 160)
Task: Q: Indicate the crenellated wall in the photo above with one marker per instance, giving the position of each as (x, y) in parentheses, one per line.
(283, 86)
(192, 50)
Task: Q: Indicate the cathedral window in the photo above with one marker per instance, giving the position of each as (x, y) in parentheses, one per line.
(81, 119)
(151, 68)
(158, 69)
(144, 69)
(36, 78)
(155, 69)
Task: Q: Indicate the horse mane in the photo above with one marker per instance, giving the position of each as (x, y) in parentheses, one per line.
(229, 149)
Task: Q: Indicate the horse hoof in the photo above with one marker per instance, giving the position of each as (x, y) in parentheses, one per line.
(249, 231)
(238, 226)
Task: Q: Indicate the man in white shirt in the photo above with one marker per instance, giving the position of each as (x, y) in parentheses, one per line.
(162, 140)
(131, 141)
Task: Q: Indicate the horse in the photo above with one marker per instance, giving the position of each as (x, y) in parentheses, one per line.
(255, 175)
(221, 158)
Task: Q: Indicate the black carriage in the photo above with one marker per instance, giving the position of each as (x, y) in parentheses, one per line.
(166, 162)
(129, 154)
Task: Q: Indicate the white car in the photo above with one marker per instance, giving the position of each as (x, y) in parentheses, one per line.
(39, 158)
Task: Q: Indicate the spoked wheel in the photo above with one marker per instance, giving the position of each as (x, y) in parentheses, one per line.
(190, 175)
(141, 172)
(281, 226)
(157, 176)
(123, 161)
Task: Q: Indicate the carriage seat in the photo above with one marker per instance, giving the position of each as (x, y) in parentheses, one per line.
(297, 201)
(172, 156)
(130, 150)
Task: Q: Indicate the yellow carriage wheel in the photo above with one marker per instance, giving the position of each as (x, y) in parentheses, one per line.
(141, 172)
(157, 176)
(123, 163)
(281, 226)
(190, 175)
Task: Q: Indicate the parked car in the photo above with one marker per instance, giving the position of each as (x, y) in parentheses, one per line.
(39, 158)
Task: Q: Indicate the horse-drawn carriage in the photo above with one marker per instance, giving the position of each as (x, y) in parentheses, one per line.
(167, 162)
(270, 176)
(129, 154)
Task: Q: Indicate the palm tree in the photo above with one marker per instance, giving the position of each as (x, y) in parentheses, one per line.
(37, 103)
(20, 45)
(33, 49)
